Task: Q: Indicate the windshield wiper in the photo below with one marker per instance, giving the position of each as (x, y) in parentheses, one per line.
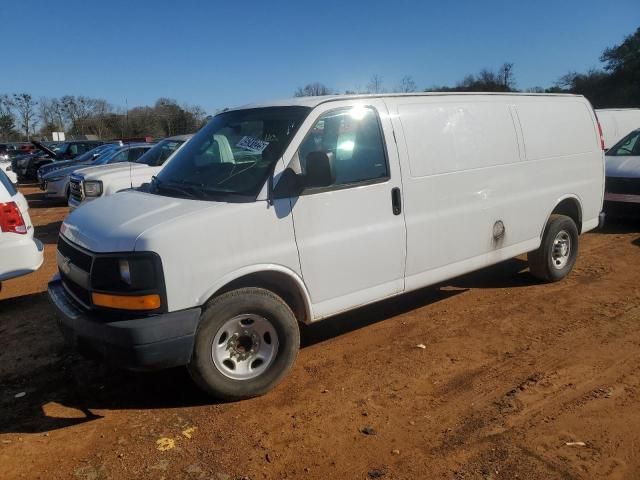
(170, 187)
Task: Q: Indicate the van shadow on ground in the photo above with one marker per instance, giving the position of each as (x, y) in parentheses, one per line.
(86, 386)
(38, 200)
(48, 234)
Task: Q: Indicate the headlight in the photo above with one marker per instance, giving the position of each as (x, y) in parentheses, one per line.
(92, 188)
(9, 169)
(129, 282)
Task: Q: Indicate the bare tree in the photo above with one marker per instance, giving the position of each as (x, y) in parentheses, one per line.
(25, 107)
(505, 76)
(315, 89)
(375, 84)
(407, 85)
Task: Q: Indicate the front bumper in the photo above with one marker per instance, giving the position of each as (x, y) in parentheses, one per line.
(56, 188)
(621, 198)
(146, 343)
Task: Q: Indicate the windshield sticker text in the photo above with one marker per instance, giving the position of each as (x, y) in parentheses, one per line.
(252, 144)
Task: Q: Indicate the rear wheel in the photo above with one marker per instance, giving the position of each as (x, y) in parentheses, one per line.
(558, 250)
(246, 342)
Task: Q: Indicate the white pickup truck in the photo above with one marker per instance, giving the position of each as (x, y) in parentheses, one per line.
(92, 183)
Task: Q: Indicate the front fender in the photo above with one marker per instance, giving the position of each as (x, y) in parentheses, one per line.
(260, 268)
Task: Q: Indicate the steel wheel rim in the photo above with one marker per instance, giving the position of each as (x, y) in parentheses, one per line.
(561, 250)
(244, 347)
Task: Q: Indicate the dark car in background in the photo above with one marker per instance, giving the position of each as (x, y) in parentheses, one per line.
(85, 159)
(27, 167)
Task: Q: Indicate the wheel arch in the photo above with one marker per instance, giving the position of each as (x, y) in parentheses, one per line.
(570, 206)
(280, 280)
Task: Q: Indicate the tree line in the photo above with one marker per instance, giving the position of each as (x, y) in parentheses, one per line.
(23, 117)
(615, 84)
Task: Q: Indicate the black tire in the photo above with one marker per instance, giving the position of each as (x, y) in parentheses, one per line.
(542, 262)
(244, 301)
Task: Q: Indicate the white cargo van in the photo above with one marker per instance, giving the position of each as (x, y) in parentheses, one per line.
(293, 211)
(617, 123)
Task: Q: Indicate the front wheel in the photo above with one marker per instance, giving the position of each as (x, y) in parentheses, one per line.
(558, 250)
(246, 342)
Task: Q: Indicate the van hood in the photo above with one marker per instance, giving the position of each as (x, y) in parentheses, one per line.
(90, 172)
(114, 223)
(622, 166)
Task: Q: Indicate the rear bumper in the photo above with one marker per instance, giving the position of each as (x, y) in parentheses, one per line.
(146, 343)
(20, 257)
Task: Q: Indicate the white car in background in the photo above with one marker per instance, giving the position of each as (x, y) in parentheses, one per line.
(91, 183)
(20, 253)
(622, 182)
(616, 123)
(5, 166)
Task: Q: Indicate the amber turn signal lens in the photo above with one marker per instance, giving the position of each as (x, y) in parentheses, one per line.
(127, 302)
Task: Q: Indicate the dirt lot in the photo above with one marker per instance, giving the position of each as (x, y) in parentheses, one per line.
(512, 373)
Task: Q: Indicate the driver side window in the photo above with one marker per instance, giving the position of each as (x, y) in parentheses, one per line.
(352, 139)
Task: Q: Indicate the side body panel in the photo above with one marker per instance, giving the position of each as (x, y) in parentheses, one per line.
(469, 162)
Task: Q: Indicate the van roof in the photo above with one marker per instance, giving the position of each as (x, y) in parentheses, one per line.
(315, 101)
(616, 109)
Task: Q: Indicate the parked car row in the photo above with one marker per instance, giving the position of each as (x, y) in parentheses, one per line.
(89, 184)
(56, 181)
(26, 166)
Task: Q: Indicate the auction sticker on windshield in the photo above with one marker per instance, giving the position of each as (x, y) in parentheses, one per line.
(252, 144)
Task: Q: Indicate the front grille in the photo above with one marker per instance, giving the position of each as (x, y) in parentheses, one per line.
(75, 188)
(80, 260)
(77, 257)
(81, 294)
(625, 186)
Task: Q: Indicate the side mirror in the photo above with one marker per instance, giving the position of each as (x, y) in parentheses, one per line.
(319, 173)
(319, 170)
(289, 185)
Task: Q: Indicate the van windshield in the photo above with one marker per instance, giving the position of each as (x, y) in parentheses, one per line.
(231, 157)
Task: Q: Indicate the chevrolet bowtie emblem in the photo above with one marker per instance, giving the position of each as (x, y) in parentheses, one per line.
(65, 266)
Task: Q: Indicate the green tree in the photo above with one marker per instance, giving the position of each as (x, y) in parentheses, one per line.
(617, 84)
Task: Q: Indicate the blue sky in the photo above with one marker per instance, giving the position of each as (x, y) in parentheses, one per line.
(218, 54)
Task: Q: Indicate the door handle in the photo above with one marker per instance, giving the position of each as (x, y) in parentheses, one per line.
(396, 201)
